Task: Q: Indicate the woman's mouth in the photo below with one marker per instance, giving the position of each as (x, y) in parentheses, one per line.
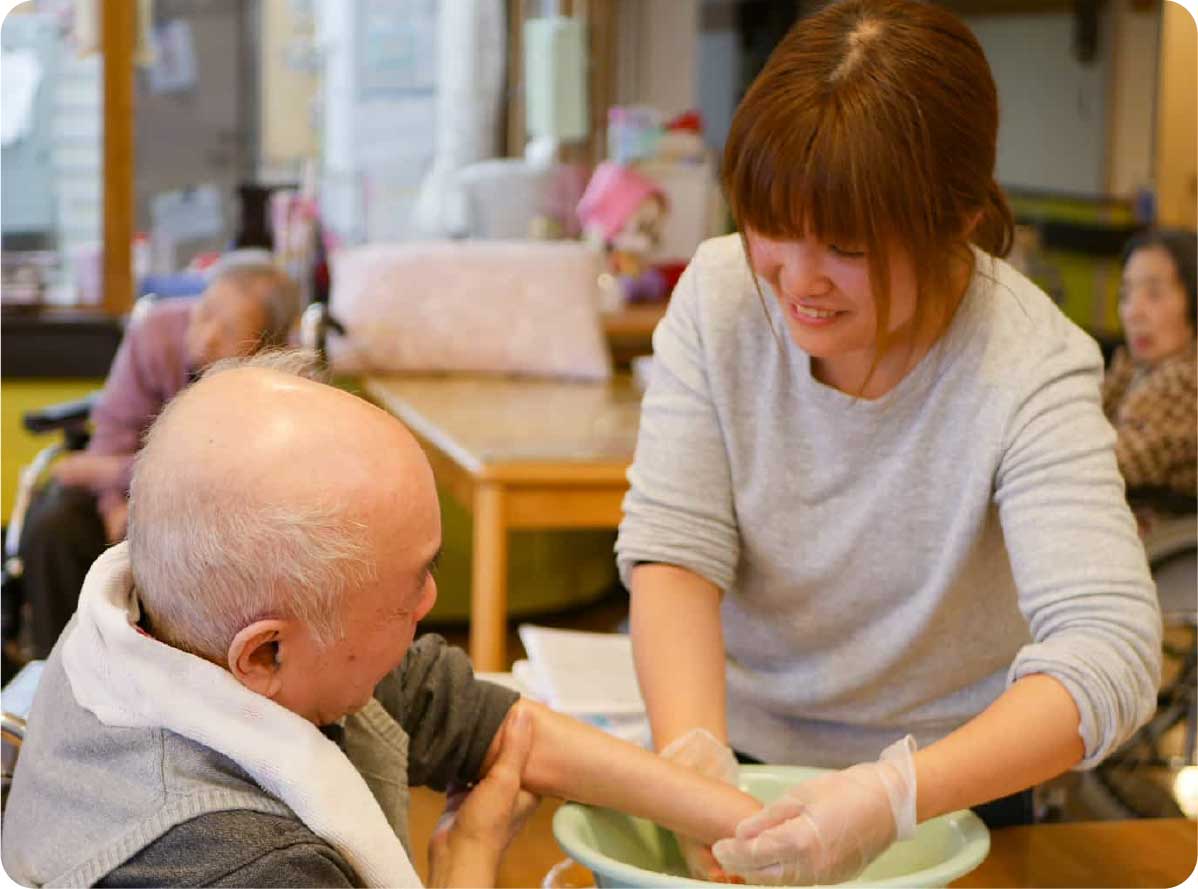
(810, 316)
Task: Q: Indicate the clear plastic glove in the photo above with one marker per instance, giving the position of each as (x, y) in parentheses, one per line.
(700, 751)
(829, 828)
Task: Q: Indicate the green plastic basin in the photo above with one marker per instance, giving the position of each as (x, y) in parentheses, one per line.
(625, 851)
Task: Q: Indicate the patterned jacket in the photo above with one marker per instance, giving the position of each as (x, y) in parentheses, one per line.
(1154, 410)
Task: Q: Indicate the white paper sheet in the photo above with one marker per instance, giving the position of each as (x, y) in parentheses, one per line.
(584, 673)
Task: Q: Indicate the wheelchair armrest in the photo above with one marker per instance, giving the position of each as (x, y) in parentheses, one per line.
(60, 416)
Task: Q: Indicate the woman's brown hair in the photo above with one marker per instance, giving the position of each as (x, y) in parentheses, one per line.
(874, 123)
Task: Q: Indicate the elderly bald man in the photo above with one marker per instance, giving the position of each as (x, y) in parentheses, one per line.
(238, 699)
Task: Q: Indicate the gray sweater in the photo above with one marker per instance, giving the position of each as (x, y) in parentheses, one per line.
(890, 566)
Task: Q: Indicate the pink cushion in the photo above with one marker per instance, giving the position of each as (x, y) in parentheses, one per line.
(515, 307)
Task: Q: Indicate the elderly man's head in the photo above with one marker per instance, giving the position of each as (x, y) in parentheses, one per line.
(247, 305)
(287, 530)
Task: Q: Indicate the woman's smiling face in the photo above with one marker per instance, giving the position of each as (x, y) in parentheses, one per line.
(825, 294)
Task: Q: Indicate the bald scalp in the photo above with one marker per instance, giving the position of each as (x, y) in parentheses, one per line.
(259, 492)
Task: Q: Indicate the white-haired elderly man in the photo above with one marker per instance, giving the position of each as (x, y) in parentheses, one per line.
(238, 699)
(248, 304)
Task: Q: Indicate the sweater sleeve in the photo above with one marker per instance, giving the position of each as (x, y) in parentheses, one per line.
(679, 507)
(1078, 564)
(449, 716)
(130, 400)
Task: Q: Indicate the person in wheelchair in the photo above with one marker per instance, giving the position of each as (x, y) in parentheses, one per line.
(1151, 389)
(1150, 395)
(249, 304)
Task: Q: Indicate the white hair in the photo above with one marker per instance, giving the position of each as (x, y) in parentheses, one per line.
(207, 563)
(274, 289)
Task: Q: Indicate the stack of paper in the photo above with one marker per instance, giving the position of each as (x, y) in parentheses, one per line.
(588, 675)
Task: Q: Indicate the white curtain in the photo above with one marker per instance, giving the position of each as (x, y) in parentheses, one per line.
(470, 80)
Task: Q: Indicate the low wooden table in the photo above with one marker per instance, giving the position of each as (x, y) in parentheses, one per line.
(629, 331)
(1147, 853)
(518, 453)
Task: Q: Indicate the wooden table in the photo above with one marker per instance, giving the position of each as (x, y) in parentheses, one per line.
(519, 454)
(1146, 853)
(629, 330)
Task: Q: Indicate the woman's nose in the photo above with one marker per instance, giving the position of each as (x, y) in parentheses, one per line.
(1132, 306)
(801, 274)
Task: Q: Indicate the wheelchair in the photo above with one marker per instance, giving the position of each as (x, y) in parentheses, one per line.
(1168, 742)
(71, 420)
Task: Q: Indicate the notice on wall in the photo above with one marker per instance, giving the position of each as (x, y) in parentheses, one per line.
(174, 67)
(189, 214)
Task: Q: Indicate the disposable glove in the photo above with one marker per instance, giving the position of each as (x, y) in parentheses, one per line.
(829, 828)
(700, 751)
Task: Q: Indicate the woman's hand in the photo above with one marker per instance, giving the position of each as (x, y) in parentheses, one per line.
(478, 824)
(702, 752)
(829, 828)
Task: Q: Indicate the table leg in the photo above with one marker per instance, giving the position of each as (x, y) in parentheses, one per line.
(488, 589)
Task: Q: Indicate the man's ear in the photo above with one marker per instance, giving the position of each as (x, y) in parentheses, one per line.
(254, 656)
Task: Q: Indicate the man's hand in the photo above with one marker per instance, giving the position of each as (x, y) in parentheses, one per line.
(479, 824)
(702, 752)
(829, 828)
(96, 472)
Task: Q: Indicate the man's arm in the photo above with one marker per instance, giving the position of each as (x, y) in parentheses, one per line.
(455, 723)
(450, 717)
(576, 761)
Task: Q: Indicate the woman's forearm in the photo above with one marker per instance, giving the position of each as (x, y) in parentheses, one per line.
(678, 645)
(576, 761)
(1028, 735)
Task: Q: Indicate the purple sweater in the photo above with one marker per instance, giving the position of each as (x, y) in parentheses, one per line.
(149, 369)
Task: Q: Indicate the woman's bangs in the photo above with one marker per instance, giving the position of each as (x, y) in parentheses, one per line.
(819, 194)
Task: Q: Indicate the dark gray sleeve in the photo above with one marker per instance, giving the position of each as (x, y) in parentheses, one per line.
(236, 848)
(450, 717)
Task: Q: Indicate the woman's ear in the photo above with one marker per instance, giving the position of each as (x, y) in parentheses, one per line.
(255, 656)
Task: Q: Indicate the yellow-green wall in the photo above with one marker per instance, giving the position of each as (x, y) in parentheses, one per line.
(18, 447)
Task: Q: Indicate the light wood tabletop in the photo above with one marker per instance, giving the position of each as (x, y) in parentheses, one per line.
(1153, 852)
(519, 454)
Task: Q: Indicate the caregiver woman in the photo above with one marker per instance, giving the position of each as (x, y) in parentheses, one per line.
(874, 493)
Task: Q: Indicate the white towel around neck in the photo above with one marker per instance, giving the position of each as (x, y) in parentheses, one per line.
(127, 679)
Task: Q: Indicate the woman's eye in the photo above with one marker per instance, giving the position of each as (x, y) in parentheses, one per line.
(847, 252)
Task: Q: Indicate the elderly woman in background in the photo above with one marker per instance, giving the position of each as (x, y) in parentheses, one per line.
(248, 305)
(1150, 393)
